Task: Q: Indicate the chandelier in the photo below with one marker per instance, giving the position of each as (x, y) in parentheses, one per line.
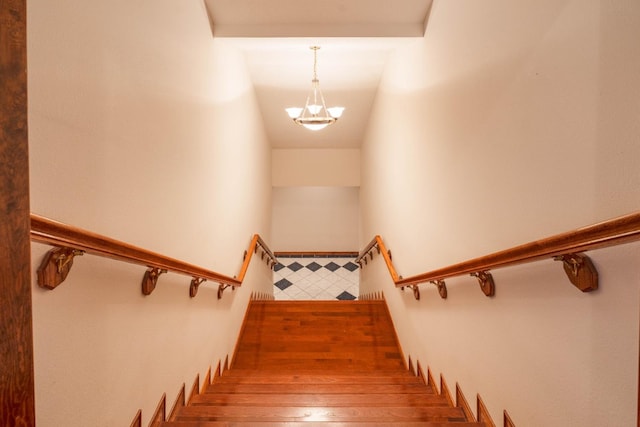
(315, 115)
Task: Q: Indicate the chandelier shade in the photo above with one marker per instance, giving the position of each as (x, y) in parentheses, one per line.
(315, 115)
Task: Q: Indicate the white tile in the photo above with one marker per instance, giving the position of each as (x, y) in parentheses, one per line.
(325, 296)
(322, 284)
(314, 291)
(285, 272)
(293, 291)
(304, 272)
(323, 272)
(354, 290)
(283, 297)
(334, 290)
(305, 285)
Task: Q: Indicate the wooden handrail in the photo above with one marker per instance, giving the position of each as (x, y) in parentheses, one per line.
(72, 241)
(565, 247)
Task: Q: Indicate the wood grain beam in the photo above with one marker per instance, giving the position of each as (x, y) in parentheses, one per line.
(17, 407)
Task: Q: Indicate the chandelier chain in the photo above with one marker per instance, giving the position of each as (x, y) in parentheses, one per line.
(315, 62)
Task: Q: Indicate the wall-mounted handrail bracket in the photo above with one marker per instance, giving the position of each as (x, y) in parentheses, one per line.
(150, 279)
(416, 292)
(223, 287)
(580, 271)
(195, 285)
(442, 288)
(487, 285)
(389, 253)
(56, 266)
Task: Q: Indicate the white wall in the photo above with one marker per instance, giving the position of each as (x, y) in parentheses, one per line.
(512, 121)
(315, 199)
(311, 219)
(143, 128)
(316, 167)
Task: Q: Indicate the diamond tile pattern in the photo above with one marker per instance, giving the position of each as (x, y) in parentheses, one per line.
(345, 296)
(316, 278)
(295, 266)
(332, 266)
(283, 284)
(314, 266)
(351, 266)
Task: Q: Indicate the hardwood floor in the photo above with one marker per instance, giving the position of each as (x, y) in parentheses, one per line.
(318, 363)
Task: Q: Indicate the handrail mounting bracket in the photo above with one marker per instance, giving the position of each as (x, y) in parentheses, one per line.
(442, 288)
(223, 287)
(487, 285)
(580, 271)
(150, 279)
(416, 291)
(195, 284)
(56, 266)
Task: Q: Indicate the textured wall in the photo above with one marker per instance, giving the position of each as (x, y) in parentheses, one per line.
(315, 218)
(316, 167)
(512, 121)
(143, 128)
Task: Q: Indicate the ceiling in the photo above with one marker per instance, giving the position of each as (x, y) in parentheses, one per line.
(356, 38)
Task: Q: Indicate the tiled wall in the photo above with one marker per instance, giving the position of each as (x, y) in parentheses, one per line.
(316, 278)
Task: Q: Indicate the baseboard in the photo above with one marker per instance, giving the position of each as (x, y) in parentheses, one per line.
(444, 389)
(317, 254)
(461, 402)
(160, 413)
(137, 420)
(216, 373)
(206, 382)
(507, 422)
(242, 329)
(194, 389)
(420, 374)
(178, 403)
(431, 382)
(483, 413)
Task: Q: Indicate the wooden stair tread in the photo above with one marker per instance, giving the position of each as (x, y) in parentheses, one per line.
(319, 424)
(311, 413)
(335, 399)
(255, 377)
(318, 388)
(318, 363)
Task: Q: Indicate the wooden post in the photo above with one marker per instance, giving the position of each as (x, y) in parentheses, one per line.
(17, 407)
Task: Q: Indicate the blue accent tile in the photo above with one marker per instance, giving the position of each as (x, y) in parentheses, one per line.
(295, 266)
(278, 267)
(350, 266)
(345, 296)
(283, 284)
(314, 266)
(332, 266)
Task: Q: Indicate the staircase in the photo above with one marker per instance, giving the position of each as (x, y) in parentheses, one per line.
(318, 363)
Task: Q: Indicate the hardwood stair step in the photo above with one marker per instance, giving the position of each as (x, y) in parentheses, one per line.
(323, 400)
(312, 413)
(319, 424)
(317, 363)
(318, 388)
(255, 377)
